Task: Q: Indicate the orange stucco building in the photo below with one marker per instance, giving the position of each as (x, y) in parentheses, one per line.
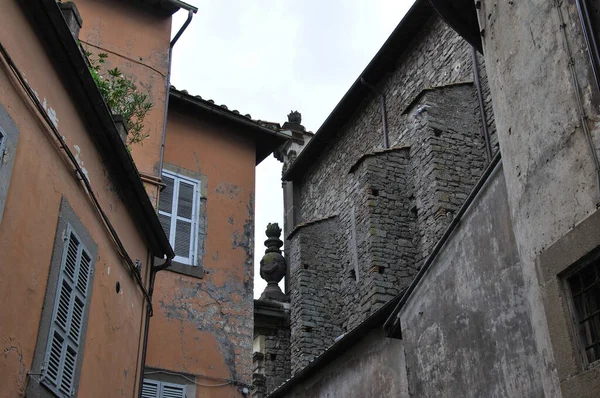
(201, 334)
(86, 223)
(78, 233)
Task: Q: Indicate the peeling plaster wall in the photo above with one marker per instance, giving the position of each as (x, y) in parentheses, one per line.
(467, 328)
(39, 179)
(373, 367)
(203, 327)
(137, 42)
(550, 175)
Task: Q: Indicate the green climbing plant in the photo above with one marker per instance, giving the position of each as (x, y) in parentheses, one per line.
(121, 96)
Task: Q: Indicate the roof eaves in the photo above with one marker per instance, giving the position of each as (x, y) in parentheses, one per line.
(65, 51)
(168, 7)
(266, 133)
(397, 43)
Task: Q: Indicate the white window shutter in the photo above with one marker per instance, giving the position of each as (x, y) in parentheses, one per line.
(178, 212)
(67, 319)
(170, 390)
(161, 389)
(150, 389)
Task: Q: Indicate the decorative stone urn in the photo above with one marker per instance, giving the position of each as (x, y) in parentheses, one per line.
(272, 265)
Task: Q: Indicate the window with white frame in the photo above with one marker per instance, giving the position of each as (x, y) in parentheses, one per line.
(161, 389)
(178, 211)
(58, 373)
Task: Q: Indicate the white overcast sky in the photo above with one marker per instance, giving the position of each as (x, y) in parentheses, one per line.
(268, 57)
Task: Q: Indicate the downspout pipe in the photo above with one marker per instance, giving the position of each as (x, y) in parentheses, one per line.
(191, 12)
(590, 39)
(381, 96)
(153, 270)
(486, 134)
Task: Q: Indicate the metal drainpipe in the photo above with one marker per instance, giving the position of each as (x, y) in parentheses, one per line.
(386, 144)
(153, 270)
(486, 134)
(191, 12)
(590, 39)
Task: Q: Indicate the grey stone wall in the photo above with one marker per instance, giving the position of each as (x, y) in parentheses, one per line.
(277, 357)
(467, 329)
(544, 98)
(391, 207)
(314, 269)
(373, 367)
(380, 233)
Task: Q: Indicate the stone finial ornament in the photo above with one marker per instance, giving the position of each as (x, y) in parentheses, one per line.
(272, 265)
(295, 117)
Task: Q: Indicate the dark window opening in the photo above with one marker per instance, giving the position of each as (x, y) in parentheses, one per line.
(585, 291)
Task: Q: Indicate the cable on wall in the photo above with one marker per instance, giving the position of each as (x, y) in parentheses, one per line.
(582, 115)
(79, 174)
(228, 382)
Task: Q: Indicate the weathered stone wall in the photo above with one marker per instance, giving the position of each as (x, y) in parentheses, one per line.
(373, 367)
(277, 357)
(380, 233)
(314, 269)
(544, 99)
(447, 158)
(393, 207)
(466, 328)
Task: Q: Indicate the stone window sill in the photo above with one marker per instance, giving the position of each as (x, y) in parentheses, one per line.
(185, 269)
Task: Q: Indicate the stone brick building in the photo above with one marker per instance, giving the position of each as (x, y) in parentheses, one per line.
(419, 262)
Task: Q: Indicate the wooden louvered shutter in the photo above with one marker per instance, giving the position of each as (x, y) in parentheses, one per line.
(169, 390)
(67, 318)
(161, 389)
(165, 204)
(150, 389)
(183, 229)
(178, 211)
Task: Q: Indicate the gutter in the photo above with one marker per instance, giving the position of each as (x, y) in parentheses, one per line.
(70, 64)
(153, 270)
(392, 324)
(219, 111)
(191, 11)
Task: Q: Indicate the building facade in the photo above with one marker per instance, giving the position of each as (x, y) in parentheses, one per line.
(434, 266)
(88, 219)
(201, 334)
(78, 231)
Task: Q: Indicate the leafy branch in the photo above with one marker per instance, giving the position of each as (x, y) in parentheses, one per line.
(121, 96)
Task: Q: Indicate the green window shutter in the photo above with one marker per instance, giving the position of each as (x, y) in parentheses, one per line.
(67, 319)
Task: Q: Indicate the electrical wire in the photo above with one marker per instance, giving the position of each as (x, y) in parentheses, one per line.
(580, 109)
(78, 173)
(124, 57)
(228, 381)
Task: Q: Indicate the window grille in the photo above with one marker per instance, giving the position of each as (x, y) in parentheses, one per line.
(585, 291)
